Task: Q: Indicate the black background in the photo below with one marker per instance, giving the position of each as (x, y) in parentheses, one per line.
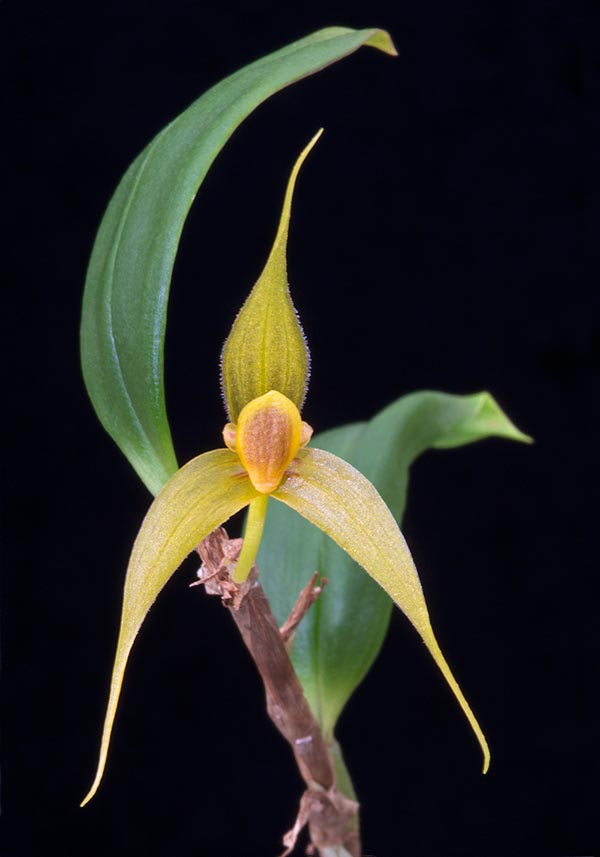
(442, 238)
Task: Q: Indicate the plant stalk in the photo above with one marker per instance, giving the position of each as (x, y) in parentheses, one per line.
(330, 813)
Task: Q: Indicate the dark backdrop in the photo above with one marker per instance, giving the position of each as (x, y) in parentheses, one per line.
(442, 238)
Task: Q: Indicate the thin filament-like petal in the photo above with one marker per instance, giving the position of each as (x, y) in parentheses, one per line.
(338, 499)
(202, 495)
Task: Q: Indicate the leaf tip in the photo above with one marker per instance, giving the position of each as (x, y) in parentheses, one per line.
(382, 41)
(499, 423)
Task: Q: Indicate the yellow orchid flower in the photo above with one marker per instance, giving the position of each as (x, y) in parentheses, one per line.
(265, 367)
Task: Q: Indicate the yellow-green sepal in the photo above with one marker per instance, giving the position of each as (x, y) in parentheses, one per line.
(338, 499)
(202, 495)
(266, 348)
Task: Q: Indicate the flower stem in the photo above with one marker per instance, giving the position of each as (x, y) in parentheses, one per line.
(257, 512)
(331, 815)
(342, 777)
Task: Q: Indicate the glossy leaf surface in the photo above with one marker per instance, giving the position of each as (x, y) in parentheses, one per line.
(341, 635)
(129, 275)
(202, 495)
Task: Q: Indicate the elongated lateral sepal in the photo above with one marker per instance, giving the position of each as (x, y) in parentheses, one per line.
(201, 496)
(338, 499)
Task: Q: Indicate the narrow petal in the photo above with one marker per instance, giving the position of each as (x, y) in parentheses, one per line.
(338, 499)
(266, 349)
(198, 498)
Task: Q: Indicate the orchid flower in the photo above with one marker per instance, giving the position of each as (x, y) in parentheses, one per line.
(265, 368)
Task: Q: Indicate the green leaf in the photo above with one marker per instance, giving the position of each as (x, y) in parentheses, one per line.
(127, 286)
(342, 633)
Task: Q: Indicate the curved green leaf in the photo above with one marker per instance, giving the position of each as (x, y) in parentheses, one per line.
(127, 286)
(336, 643)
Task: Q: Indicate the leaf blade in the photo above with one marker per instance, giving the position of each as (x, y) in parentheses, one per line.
(129, 274)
